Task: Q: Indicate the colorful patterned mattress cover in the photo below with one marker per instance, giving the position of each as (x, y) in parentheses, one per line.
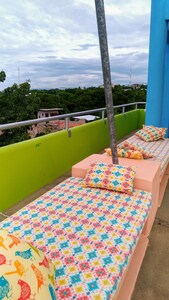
(160, 149)
(88, 233)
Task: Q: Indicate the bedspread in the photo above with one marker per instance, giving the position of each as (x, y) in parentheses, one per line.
(89, 234)
(160, 149)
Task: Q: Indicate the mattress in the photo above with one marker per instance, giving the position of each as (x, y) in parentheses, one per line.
(160, 149)
(88, 233)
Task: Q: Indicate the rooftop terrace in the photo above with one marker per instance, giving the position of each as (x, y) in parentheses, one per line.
(33, 167)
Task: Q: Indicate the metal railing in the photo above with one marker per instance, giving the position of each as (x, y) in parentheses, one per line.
(66, 117)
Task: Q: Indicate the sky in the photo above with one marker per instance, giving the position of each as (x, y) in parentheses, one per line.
(54, 43)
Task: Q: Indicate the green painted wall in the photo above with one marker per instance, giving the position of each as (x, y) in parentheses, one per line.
(27, 166)
(128, 122)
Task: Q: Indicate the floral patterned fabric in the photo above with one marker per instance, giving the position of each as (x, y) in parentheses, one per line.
(127, 153)
(108, 176)
(130, 146)
(25, 273)
(151, 133)
(160, 149)
(160, 130)
(89, 234)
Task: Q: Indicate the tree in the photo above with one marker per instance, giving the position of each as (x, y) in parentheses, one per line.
(17, 104)
(2, 76)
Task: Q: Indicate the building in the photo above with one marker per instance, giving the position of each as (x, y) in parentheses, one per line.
(48, 112)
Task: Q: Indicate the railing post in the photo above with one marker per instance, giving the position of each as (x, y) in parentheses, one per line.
(67, 123)
(123, 109)
(67, 126)
(103, 114)
(136, 106)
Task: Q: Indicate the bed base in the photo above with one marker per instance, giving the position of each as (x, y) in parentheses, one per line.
(128, 281)
(147, 178)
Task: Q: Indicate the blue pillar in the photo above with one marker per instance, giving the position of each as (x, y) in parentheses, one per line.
(157, 111)
(165, 104)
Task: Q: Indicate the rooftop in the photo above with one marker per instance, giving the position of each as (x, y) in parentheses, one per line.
(152, 282)
(30, 168)
(86, 117)
(50, 109)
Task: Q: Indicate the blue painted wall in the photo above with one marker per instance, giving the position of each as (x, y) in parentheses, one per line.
(157, 108)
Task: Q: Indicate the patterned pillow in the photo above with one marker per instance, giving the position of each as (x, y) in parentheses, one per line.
(161, 130)
(25, 272)
(112, 177)
(126, 153)
(142, 134)
(151, 133)
(130, 146)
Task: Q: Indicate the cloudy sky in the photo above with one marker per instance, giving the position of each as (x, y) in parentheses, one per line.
(55, 44)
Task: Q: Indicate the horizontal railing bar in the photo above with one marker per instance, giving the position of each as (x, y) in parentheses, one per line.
(129, 104)
(48, 119)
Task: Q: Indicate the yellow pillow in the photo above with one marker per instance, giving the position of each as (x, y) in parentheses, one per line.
(25, 272)
(126, 153)
(130, 146)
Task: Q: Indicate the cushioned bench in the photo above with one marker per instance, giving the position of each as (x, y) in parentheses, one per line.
(147, 178)
(160, 150)
(93, 236)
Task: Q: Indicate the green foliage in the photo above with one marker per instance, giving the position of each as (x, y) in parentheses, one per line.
(123, 94)
(13, 136)
(2, 76)
(18, 103)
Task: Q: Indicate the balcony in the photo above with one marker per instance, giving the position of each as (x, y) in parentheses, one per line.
(32, 164)
(30, 168)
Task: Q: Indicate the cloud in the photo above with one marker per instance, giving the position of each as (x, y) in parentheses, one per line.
(85, 47)
(55, 43)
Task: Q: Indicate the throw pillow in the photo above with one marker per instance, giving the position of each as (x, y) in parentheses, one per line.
(109, 176)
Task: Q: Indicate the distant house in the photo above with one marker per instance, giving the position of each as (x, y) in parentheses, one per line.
(51, 126)
(87, 118)
(48, 112)
(136, 85)
(102, 86)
